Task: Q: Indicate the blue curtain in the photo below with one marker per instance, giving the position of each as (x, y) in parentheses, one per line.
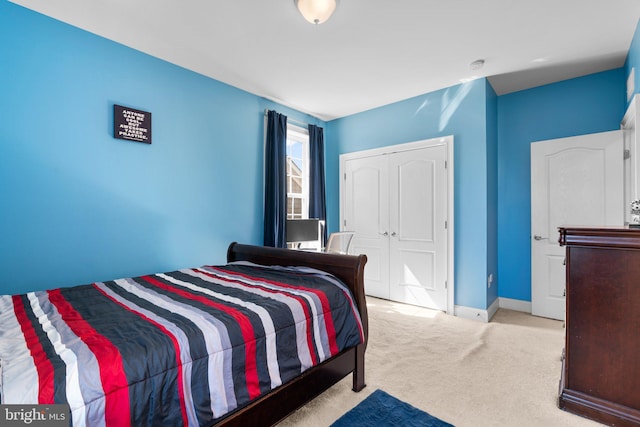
(317, 197)
(275, 178)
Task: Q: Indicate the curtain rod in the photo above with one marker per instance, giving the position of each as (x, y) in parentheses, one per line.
(292, 121)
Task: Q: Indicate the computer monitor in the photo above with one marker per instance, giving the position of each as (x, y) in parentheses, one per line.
(302, 230)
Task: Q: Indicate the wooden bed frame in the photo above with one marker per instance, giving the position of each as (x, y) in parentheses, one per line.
(276, 405)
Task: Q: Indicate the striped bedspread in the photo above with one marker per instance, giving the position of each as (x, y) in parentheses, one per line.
(179, 348)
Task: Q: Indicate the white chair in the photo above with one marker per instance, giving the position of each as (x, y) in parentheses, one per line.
(339, 242)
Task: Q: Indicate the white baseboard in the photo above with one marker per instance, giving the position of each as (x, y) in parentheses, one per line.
(493, 308)
(515, 304)
(471, 313)
(486, 315)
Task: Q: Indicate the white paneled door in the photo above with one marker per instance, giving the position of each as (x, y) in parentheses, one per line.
(576, 181)
(397, 204)
(418, 234)
(367, 199)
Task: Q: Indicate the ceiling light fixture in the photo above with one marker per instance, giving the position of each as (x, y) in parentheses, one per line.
(316, 11)
(477, 64)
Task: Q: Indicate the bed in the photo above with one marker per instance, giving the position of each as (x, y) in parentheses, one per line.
(246, 343)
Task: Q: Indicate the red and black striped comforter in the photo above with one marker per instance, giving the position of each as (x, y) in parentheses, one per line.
(179, 348)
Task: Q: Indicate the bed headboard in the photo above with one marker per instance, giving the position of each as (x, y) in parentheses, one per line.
(348, 268)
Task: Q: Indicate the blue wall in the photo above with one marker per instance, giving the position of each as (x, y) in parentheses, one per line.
(459, 111)
(633, 60)
(492, 182)
(594, 103)
(80, 206)
(492, 193)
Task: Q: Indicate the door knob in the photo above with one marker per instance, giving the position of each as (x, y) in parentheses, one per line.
(536, 237)
(385, 233)
(393, 233)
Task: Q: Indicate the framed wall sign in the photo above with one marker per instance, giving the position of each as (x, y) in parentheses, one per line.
(131, 124)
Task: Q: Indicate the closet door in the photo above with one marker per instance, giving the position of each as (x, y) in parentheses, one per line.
(418, 235)
(367, 213)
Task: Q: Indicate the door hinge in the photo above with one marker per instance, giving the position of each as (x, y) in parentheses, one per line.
(344, 222)
(445, 164)
(345, 176)
(446, 285)
(446, 225)
(627, 154)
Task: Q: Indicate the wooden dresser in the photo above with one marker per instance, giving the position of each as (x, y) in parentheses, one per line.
(601, 364)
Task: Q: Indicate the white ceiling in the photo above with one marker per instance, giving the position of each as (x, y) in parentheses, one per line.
(371, 52)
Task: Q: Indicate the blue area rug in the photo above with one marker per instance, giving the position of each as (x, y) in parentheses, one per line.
(381, 409)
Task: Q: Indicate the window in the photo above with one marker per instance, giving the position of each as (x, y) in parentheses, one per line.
(297, 172)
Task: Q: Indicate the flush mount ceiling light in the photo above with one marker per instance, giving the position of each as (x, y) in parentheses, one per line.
(477, 64)
(316, 11)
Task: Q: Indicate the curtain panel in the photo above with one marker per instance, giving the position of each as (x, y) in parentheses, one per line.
(317, 197)
(275, 189)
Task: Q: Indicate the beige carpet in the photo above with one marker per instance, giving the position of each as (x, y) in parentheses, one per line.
(467, 373)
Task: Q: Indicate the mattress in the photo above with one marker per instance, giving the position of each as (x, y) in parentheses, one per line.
(177, 348)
